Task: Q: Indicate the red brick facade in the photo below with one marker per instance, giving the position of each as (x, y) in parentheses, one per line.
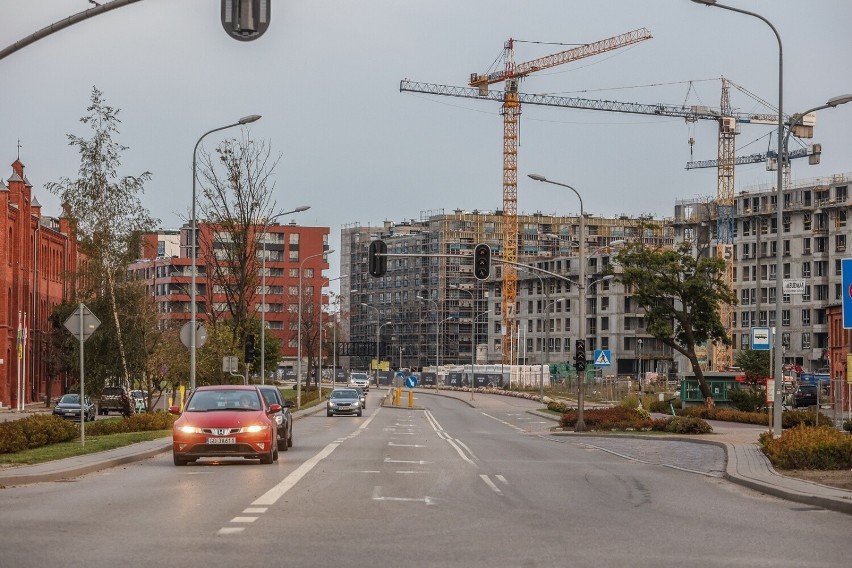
(38, 258)
(289, 249)
(839, 344)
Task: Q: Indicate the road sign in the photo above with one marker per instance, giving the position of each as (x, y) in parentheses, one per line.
(846, 274)
(200, 334)
(603, 358)
(760, 338)
(794, 287)
(411, 381)
(90, 323)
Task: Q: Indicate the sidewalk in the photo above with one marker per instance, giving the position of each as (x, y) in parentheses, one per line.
(746, 464)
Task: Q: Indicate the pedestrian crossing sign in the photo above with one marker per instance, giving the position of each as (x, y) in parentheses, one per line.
(603, 357)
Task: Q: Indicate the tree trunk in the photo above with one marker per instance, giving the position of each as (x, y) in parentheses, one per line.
(118, 338)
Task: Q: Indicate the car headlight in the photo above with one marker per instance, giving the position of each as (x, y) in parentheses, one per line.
(255, 428)
(279, 419)
(190, 430)
(332, 404)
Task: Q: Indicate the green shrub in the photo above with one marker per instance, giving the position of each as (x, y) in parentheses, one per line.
(793, 418)
(747, 399)
(847, 425)
(141, 422)
(35, 431)
(630, 401)
(687, 425)
(805, 447)
(665, 406)
(557, 406)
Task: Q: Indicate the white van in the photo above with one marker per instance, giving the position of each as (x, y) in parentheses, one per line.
(359, 380)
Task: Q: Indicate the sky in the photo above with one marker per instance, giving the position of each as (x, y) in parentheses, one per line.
(325, 78)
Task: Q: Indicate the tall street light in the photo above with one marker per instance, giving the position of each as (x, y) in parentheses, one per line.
(378, 317)
(263, 291)
(472, 333)
(581, 424)
(194, 242)
(782, 162)
(547, 313)
(299, 326)
(378, 337)
(437, 337)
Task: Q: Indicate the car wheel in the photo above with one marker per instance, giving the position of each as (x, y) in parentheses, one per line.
(329, 413)
(178, 460)
(359, 413)
(290, 438)
(284, 445)
(267, 458)
(275, 455)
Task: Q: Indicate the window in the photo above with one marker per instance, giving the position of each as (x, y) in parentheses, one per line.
(806, 340)
(806, 317)
(785, 318)
(806, 270)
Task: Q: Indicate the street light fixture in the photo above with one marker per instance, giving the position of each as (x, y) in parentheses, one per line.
(299, 326)
(194, 242)
(378, 316)
(437, 338)
(263, 291)
(378, 337)
(581, 424)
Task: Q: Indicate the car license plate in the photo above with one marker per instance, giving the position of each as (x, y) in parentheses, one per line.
(221, 440)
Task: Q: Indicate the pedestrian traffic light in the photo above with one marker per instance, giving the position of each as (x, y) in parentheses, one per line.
(377, 261)
(245, 20)
(249, 351)
(482, 261)
(580, 355)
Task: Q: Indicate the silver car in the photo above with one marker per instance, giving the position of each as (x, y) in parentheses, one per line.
(363, 395)
(343, 401)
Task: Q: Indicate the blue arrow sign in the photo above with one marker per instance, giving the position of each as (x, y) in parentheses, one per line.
(411, 381)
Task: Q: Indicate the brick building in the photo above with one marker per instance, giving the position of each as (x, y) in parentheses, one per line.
(38, 258)
(166, 268)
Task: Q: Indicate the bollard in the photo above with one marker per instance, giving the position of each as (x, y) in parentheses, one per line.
(410, 399)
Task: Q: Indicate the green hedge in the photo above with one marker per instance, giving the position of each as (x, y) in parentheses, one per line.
(35, 431)
(45, 429)
(805, 447)
(622, 418)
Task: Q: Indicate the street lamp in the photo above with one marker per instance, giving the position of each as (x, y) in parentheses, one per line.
(263, 291)
(581, 424)
(378, 316)
(547, 312)
(779, 207)
(194, 242)
(299, 326)
(437, 337)
(378, 336)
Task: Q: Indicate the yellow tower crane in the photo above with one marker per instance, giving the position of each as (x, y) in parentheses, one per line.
(512, 74)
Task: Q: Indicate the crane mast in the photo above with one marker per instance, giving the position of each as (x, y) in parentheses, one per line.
(722, 353)
(511, 111)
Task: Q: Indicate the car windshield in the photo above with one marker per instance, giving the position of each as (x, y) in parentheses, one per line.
(211, 400)
(70, 399)
(270, 396)
(344, 394)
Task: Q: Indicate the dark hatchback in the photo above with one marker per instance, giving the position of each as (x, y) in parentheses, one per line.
(68, 407)
(284, 418)
(805, 395)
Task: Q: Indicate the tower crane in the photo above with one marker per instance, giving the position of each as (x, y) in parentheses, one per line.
(727, 120)
(511, 75)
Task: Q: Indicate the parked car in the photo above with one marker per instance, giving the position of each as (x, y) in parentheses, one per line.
(343, 401)
(283, 417)
(360, 380)
(68, 407)
(362, 395)
(805, 395)
(225, 421)
(115, 399)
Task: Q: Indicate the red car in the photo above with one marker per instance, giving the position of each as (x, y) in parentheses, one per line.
(224, 421)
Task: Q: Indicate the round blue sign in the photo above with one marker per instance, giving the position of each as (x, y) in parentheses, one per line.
(411, 381)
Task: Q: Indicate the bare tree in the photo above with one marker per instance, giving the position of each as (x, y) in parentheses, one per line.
(237, 203)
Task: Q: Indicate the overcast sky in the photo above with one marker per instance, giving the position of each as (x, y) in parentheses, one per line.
(325, 77)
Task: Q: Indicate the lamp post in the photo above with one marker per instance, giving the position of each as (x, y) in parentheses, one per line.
(437, 337)
(263, 291)
(581, 424)
(547, 312)
(194, 241)
(472, 330)
(378, 316)
(299, 326)
(378, 337)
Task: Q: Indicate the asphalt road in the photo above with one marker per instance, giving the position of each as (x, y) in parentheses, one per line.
(448, 485)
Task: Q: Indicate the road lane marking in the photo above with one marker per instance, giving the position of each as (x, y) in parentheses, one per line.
(231, 530)
(418, 462)
(254, 510)
(439, 430)
(406, 445)
(490, 484)
(243, 519)
(274, 494)
(377, 496)
(501, 478)
(518, 428)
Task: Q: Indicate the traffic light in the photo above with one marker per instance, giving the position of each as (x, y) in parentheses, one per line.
(377, 261)
(245, 20)
(249, 351)
(580, 355)
(482, 261)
